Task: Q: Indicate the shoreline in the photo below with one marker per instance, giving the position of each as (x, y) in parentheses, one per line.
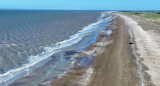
(125, 53)
(84, 69)
(97, 49)
(114, 61)
(113, 64)
(91, 28)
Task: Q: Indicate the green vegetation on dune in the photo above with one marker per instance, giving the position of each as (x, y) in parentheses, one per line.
(152, 15)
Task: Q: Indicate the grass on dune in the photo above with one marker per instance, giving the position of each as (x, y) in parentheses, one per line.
(152, 15)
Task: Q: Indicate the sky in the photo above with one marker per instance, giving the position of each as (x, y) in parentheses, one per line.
(81, 4)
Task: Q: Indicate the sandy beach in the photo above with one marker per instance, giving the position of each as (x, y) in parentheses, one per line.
(119, 67)
(117, 62)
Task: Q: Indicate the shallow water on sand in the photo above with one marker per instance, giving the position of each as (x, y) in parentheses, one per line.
(43, 42)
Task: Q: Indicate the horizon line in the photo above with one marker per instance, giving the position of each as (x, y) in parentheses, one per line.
(8, 9)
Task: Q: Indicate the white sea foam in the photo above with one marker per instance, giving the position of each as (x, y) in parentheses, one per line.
(7, 45)
(8, 77)
(103, 14)
(148, 48)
